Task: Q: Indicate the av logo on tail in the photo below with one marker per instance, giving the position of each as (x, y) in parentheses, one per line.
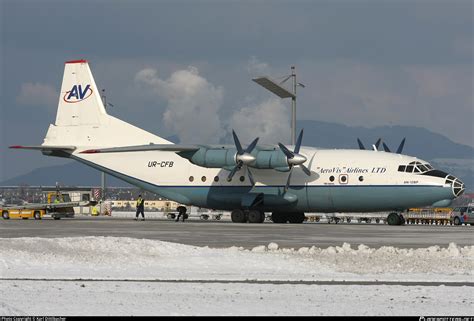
(78, 94)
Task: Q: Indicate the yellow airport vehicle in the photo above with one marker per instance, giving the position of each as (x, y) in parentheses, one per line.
(438, 216)
(58, 206)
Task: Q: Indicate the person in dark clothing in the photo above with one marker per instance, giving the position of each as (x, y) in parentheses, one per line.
(182, 211)
(140, 207)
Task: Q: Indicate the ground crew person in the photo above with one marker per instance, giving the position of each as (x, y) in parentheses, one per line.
(182, 211)
(140, 207)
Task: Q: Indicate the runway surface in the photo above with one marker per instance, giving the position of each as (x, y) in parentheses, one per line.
(220, 234)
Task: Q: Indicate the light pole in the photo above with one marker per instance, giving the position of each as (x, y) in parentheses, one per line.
(282, 92)
(102, 180)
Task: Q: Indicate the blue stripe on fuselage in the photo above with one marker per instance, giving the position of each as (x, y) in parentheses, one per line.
(311, 198)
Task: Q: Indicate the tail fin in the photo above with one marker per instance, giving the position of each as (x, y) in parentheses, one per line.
(81, 119)
(79, 102)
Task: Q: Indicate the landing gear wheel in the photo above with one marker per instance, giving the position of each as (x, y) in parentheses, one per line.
(238, 216)
(37, 215)
(402, 219)
(457, 221)
(255, 216)
(393, 219)
(5, 215)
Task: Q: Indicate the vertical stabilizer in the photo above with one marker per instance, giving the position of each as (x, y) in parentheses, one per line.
(79, 102)
(81, 119)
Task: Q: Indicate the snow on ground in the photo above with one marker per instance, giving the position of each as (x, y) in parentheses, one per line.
(117, 259)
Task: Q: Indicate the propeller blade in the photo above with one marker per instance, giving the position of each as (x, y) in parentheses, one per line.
(234, 170)
(385, 147)
(298, 142)
(288, 180)
(285, 151)
(252, 181)
(400, 148)
(377, 143)
(361, 146)
(252, 146)
(305, 170)
(240, 151)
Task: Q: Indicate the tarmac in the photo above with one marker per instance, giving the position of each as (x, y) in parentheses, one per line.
(224, 233)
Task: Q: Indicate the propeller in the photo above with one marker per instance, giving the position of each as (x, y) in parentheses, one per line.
(376, 145)
(399, 149)
(243, 157)
(294, 158)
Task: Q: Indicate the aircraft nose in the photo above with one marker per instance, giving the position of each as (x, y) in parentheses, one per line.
(457, 185)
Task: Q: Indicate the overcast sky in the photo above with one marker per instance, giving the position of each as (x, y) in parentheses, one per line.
(184, 67)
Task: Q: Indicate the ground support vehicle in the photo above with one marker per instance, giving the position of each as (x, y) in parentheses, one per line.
(462, 215)
(58, 206)
(437, 216)
(39, 211)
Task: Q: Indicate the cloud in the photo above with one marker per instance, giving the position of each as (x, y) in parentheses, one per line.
(437, 97)
(193, 104)
(257, 67)
(37, 94)
(269, 120)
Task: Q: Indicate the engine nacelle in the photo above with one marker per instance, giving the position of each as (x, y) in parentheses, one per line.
(214, 158)
(225, 158)
(269, 159)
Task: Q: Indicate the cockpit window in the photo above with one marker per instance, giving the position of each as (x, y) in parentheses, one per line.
(415, 167)
(422, 168)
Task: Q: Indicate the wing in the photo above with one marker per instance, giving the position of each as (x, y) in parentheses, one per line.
(142, 148)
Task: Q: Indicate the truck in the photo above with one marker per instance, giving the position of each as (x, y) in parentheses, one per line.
(58, 206)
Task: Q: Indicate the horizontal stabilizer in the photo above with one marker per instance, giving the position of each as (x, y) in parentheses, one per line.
(45, 148)
(143, 148)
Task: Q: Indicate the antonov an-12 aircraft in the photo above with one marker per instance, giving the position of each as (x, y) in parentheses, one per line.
(247, 180)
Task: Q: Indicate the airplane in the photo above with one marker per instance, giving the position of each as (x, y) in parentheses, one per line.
(248, 181)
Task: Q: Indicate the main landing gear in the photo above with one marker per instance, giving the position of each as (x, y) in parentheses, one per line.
(395, 219)
(251, 216)
(255, 216)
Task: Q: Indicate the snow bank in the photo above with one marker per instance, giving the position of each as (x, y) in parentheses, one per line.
(128, 258)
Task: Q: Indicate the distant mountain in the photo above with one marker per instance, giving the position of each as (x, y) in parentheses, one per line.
(70, 174)
(420, 142)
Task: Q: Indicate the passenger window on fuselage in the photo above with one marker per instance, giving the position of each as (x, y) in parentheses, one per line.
(409, 169)
(401, 168)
